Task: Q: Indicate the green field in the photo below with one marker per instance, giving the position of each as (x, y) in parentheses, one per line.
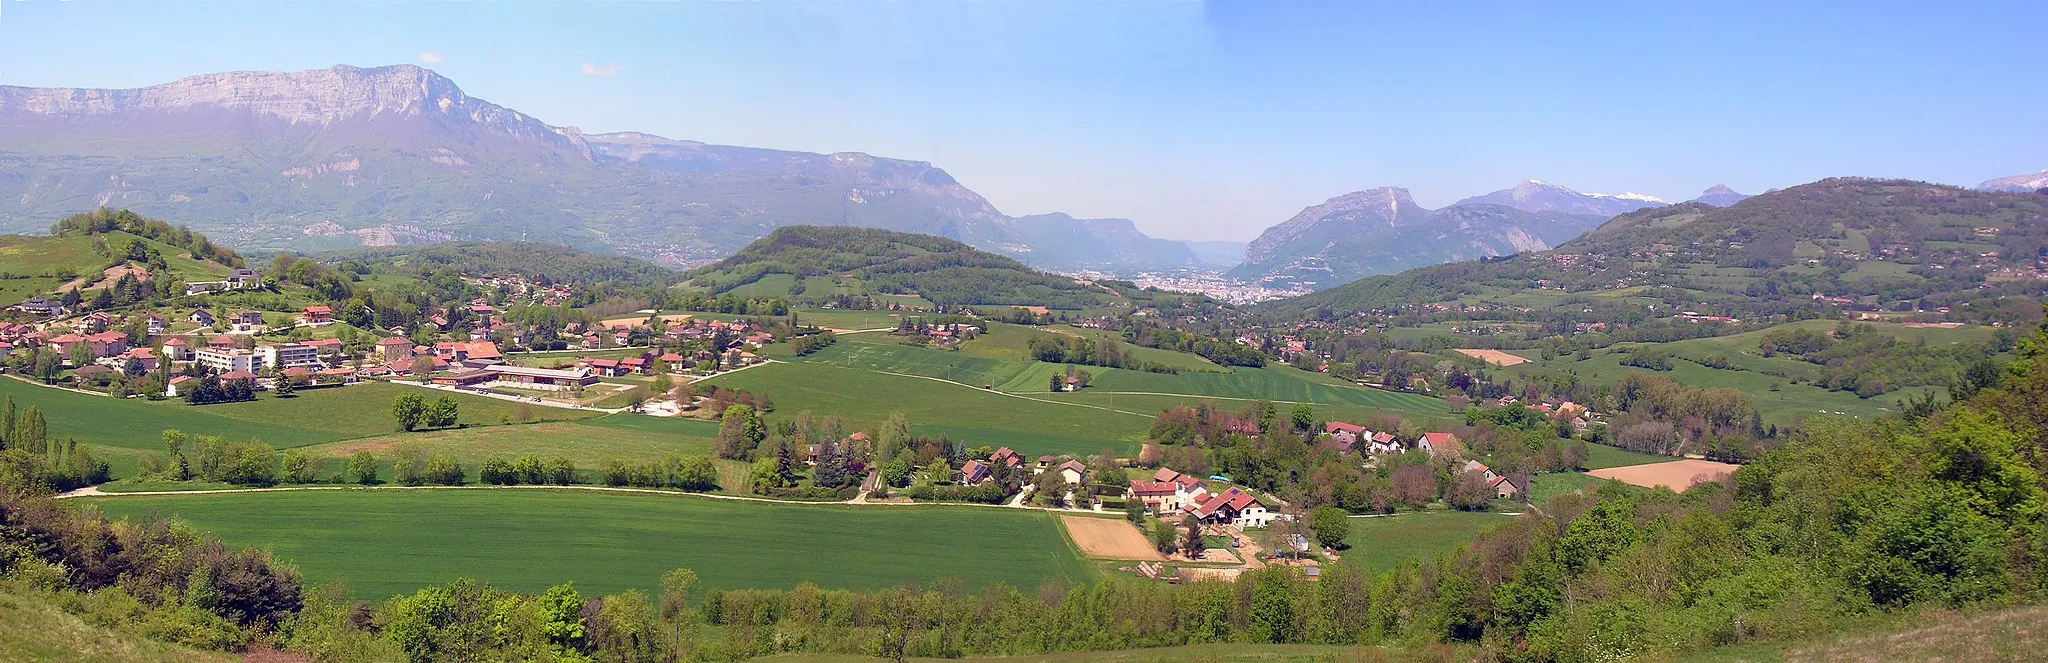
(127, 428)
(588, 442)
(864, 399)
(1785, 405)
(1545, 487)
(1181, 654)
(1601, 456)
(365, 409)
(386, 542)
(1382, 543)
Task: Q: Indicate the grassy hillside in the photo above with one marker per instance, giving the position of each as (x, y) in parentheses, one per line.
(34, 628)
(937, 269)
(127, 428)
(552, 262)
(392, 541)
(42, 265)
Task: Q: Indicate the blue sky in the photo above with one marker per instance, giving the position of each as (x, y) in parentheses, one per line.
(1198, 121)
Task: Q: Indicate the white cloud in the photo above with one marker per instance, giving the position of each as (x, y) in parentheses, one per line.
(430, 57)
(605, 71)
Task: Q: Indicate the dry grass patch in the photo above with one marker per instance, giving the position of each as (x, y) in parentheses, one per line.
(1494, 357)
(2016, 634)
(1677, 475)
(1103, 538)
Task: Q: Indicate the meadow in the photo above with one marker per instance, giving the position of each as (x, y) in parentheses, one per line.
(1778, 400)
(387, 542)
(864, 399)
(1381, 543)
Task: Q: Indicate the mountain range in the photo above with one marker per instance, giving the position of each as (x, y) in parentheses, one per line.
(2018, 183)
(349, 157)
(1860, 242)
(1383, 231)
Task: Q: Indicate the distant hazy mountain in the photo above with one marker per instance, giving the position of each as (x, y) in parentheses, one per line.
(1538, 196)
(1058, 240)
(1720, 195)
(1217, 254)
(1383, 231)
(348, 157)
(2028, 182)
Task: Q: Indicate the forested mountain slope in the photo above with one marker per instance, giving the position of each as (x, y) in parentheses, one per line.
(1857, 243)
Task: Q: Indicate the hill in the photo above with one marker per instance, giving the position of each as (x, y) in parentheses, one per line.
(1383, 231)
(549, 263)
(940, 270)
(92, 250)
(348, 157)
(1854, 243)
(2017, 183)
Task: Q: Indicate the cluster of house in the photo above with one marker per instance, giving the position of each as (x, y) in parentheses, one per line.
(240, 279)
(522, 290)
(1356, 439)
(1169, 493)
(977, 472)
(1580, 416)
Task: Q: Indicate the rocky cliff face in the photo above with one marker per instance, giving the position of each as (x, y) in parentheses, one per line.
(1353, 213)
(349, 156)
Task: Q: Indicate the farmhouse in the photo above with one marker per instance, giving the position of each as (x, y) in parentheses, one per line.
(1073, 471)
(1006, 458)
(974, 473)
(1346, 435)
(1234, 507)
(1441, 444)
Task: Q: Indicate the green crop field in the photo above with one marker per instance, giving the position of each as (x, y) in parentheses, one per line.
(1601, 456)
(1263, 384)
(587, 442)
(865, 398)
(1155, 403)
(365, 409)
(1778, 400)
(1381, 543)
(1545, 487)
(137, 425)
(388, 542)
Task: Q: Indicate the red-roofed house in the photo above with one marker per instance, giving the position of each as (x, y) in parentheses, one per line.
(1158, 496)
(63, 344)
(1504, 487)
(107, 344)
(1440, 444)
(605, 367)
(176, 349)
(1006, 458)
(974, 473)
(1346, 435)
(1073, 471)
(1234, 507)
(318, 314)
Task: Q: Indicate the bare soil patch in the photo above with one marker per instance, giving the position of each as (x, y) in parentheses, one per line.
(107, 278)
(1494, 357)
(628, 323)
(1677, 475)
(1103, 538)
